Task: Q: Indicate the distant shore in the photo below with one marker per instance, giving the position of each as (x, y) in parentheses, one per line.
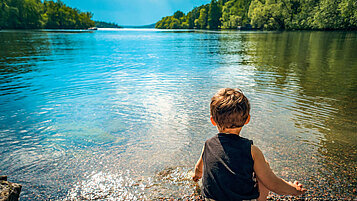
(266, 15)
(23, 14)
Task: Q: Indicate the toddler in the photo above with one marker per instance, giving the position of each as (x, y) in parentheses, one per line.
(231, 167)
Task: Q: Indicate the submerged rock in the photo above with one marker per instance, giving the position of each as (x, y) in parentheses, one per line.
(9, 191)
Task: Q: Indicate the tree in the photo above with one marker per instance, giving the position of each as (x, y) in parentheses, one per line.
(35, 14)
(201, 22)
(328, 15)
(193, 15)
(267, 14)
(348, 9)
(174, 23)
(303, 14)
(4, 13)
(235, 13)
(58, 15)
(222, 2)
(178, 14)
(214, 15)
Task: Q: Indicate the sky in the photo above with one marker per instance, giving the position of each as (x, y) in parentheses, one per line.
(133, 12)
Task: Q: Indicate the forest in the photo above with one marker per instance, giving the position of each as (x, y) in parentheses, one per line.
(267, 15)
(35, 14)
(101, 24)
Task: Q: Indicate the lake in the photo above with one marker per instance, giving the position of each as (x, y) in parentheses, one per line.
(123, 113)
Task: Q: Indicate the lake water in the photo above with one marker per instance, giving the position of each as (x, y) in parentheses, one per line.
(123, 114)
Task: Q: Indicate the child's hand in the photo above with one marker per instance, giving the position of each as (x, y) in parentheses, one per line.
(299, 189)
(198, 168)
(198, 175)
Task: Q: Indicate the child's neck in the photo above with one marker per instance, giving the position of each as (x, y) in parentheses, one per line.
(235, 131)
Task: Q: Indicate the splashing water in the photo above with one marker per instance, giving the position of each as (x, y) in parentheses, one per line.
(170, 183)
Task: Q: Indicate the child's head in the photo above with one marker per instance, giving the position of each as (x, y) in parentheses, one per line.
(229, 108)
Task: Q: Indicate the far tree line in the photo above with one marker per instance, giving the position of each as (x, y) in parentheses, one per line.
(267, 14)
(32, 14)
(101, 24)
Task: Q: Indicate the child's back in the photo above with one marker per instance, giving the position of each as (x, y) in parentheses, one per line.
(229, 163)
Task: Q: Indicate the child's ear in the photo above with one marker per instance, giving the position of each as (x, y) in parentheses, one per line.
(248, 120)
(213, 122)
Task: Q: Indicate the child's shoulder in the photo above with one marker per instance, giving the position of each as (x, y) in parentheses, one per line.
(227, 137)
(212, 139)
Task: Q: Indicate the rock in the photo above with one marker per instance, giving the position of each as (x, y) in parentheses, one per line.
(9, 191)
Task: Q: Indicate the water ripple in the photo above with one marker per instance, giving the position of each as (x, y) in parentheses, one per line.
(124, 113)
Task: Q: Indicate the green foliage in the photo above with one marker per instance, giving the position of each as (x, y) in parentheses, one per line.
(201, 22)
(101, 24)
(178, 14)
(326, 15)
(302, 17)
(194, 14)
(235, 13)
(307, 14)
(35, 14)
(20, 13)
(222, 2)
(339, 14)
(59, 15)
(267, 14)
(196, 18)
(214, 14)
(348, 9)
(177, 21)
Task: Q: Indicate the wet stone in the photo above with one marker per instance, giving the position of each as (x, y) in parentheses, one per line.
(9, 191)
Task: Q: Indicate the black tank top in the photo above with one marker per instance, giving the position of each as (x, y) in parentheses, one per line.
(228, 169)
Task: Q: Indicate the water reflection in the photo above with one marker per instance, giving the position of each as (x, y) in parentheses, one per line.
(125, 113)
(17, 58)
(313, 69)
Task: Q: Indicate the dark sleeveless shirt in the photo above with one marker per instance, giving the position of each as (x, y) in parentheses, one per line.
(228, 169)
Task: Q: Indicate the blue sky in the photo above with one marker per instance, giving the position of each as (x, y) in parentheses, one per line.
(133, 12)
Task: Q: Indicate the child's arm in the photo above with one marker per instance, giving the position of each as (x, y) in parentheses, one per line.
(198, 169)
(270, 180)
